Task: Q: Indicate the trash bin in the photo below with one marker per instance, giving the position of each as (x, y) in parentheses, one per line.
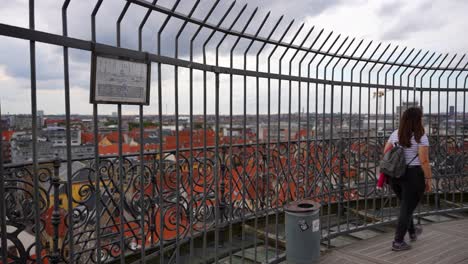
(302, 227)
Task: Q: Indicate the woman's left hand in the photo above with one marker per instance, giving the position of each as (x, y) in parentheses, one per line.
(428, 185)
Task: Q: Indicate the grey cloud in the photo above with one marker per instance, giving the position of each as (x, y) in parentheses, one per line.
(413, 21)
(301, 9)
(17, 60)
(390, 8)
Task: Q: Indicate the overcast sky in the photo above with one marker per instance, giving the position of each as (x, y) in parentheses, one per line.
(431, 25)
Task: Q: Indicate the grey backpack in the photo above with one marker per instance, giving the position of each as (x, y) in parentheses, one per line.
(393, 163)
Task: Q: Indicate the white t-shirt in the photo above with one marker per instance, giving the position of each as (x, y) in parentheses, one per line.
(412, 151)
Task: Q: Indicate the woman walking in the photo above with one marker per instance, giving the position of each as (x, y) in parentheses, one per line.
(410, 187)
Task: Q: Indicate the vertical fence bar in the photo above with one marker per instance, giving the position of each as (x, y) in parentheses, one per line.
(418, 64)
(122, 177)
(205, 234)
(68, 133)
(437, 202)
(142, 160)
(359, 125)
(359, 140)
(350, 122)
(340, 136)
(448, 153)
(463, 135)
(316, 160)
(321, 160)
(393, 89)
(288, 175)
(456, 136)
(269, 137)
(142, 187)
(421, 86)
(447, 150)
(191, 204)
(332, 143)
(55, 219)
(393, 100)
(32, 54)
(465, 127)
(383, 201)
(257, 127)
(430, 119)
(121, 187)
(308, 149)
(151, 178)
(369, 154)
(205, 160)
(417, 74)
(161, 153)
(266, 157)
(216, 162)
(194, 36)
(298, 133)
(177, 153)
(231, 205)
(3, 220)
(401, 80)
(97, 174)
(428, 133)
(244, 157)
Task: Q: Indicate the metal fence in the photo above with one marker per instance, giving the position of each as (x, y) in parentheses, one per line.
(298, 113)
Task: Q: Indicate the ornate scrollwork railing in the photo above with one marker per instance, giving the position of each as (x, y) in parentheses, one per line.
(249, 179)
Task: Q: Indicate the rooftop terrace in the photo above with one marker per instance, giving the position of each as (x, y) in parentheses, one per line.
(443, 242)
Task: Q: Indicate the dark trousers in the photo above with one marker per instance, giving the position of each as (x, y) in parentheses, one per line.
(409, 189)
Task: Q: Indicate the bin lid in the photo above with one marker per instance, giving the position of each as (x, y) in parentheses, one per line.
(302, 206)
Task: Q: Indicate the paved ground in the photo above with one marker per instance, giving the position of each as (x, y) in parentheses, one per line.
(445, 242)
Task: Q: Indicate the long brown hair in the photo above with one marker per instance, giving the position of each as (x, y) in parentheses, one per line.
(410, 125)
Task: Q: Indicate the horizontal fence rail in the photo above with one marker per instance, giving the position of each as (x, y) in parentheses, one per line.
(263, 112)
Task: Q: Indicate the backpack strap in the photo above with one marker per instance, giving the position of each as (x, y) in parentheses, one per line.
(417, 154)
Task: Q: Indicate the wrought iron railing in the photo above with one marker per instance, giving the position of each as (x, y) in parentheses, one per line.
(248, 188)
(168, 205)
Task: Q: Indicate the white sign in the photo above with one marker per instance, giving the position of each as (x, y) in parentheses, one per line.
(316, 225)
(120, 81)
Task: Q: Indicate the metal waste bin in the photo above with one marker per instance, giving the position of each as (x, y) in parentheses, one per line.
(302, 226)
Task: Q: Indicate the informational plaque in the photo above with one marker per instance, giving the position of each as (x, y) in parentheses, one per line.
(120, 81)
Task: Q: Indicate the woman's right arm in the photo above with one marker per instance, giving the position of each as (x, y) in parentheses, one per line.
(426, 167)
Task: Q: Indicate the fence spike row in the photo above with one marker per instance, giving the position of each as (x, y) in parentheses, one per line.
(269, 36)
(256, 34)
(421, 70)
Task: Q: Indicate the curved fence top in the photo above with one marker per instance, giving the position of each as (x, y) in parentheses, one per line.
(275, 48)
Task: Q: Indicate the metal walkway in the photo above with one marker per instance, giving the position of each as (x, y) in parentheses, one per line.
(445, 242)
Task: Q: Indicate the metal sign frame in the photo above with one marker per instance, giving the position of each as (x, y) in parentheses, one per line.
(93, 91)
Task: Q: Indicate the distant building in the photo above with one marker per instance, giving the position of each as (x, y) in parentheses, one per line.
(381, 123)
(21, 151)
(452, 110)
(384, 132)
(283, 130)
(406, 105)
(49, 144)
(6, 152)
(58, 136)
(4, 124)
(24, 122)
